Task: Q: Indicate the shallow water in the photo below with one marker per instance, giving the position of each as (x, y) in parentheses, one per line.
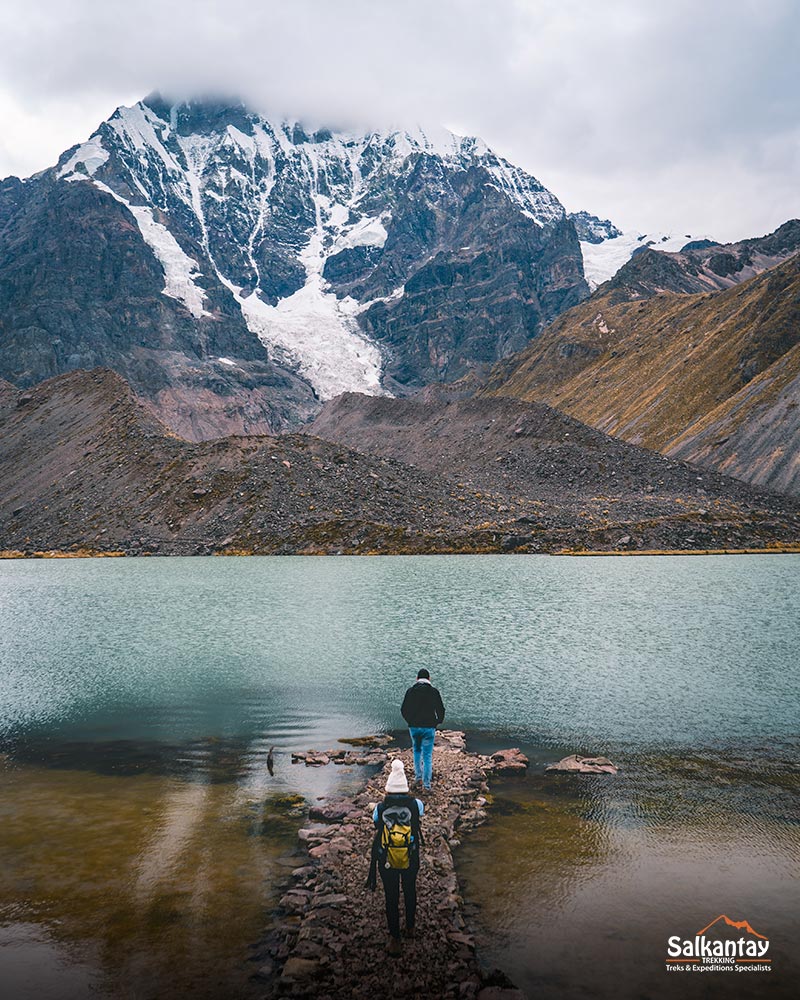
(124, 881)
(581, 880)
(142, 837)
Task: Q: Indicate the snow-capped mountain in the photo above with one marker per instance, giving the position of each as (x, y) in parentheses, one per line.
(605, 248)
(591, 229)
(227, 263)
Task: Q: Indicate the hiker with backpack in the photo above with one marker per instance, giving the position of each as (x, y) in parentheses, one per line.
(395, 852)
(423, 710)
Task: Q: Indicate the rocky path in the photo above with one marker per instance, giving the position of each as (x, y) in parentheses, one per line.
(330, 937)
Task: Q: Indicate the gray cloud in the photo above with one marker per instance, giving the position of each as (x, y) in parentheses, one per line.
(679, 115)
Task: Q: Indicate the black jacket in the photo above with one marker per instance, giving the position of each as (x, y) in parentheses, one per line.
(422, 706)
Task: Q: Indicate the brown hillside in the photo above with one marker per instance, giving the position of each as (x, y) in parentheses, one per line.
(702, 266)
(558, 473)
(85, 467)
(754, 435)
(677, 373)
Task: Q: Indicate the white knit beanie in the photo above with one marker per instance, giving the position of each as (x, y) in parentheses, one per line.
(397, 781)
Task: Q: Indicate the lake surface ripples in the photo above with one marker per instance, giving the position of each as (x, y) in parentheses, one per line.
(142, 834)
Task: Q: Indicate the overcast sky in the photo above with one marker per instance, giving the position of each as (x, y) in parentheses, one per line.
(675, 115)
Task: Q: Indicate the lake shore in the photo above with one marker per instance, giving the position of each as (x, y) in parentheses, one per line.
(118, 554)
(329, 937)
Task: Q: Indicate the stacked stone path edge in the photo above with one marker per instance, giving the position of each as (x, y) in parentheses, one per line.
(328, 939)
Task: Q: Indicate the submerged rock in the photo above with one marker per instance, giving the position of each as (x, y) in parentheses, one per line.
(333, 812)
(375, 740)
(300, 968)
(584, 765)
(373, 755)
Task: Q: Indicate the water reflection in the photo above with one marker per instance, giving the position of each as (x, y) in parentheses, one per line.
(579, 880)
(181, 819)
(147, 882)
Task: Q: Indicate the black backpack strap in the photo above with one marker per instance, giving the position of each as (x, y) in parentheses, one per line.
(416, 827)
(372, 875)
(374, 858)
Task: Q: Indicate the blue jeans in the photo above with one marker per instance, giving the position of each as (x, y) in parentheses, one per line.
(422, 742)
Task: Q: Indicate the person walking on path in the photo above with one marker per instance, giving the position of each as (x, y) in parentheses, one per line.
(423, 710)
(395, 852)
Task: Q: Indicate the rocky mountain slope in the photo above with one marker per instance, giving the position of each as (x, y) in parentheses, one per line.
(86, 468)
(84, 465)
(561, 478)
(591, 229)
(79, 287)
(711, 377)
(605, 248)
(239, 270)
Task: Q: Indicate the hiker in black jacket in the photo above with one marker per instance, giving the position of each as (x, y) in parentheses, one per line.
(423, 710)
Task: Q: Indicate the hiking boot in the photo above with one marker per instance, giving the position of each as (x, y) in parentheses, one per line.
(409, 932)
(393, 947)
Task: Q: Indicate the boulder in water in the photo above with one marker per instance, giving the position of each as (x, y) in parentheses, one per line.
(375, 740)
(314, 759)
(511, 761)
(451, 740)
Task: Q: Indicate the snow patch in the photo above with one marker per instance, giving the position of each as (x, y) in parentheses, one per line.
(180, 270)
(320, 334)
(601, 261)
(315, 329)
(394, 296)
(91, 154)
(601, 325)
(137, 127)
(366, 233)
(535, 202)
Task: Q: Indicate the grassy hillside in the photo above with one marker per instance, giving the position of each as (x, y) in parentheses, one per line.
(711, 378)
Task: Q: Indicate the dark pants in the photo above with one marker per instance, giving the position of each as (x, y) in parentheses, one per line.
(391, 878)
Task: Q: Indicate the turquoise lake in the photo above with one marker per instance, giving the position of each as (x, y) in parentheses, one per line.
(142, 839)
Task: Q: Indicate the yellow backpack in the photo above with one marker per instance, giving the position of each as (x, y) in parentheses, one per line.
(397, 836)
(396, 843)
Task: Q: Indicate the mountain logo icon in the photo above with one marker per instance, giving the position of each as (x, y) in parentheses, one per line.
(739, 925)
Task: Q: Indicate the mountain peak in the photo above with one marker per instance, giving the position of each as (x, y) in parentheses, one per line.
(591, 229)
(356, 259)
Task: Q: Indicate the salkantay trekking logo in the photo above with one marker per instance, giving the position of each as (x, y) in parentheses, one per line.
(716, 949)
